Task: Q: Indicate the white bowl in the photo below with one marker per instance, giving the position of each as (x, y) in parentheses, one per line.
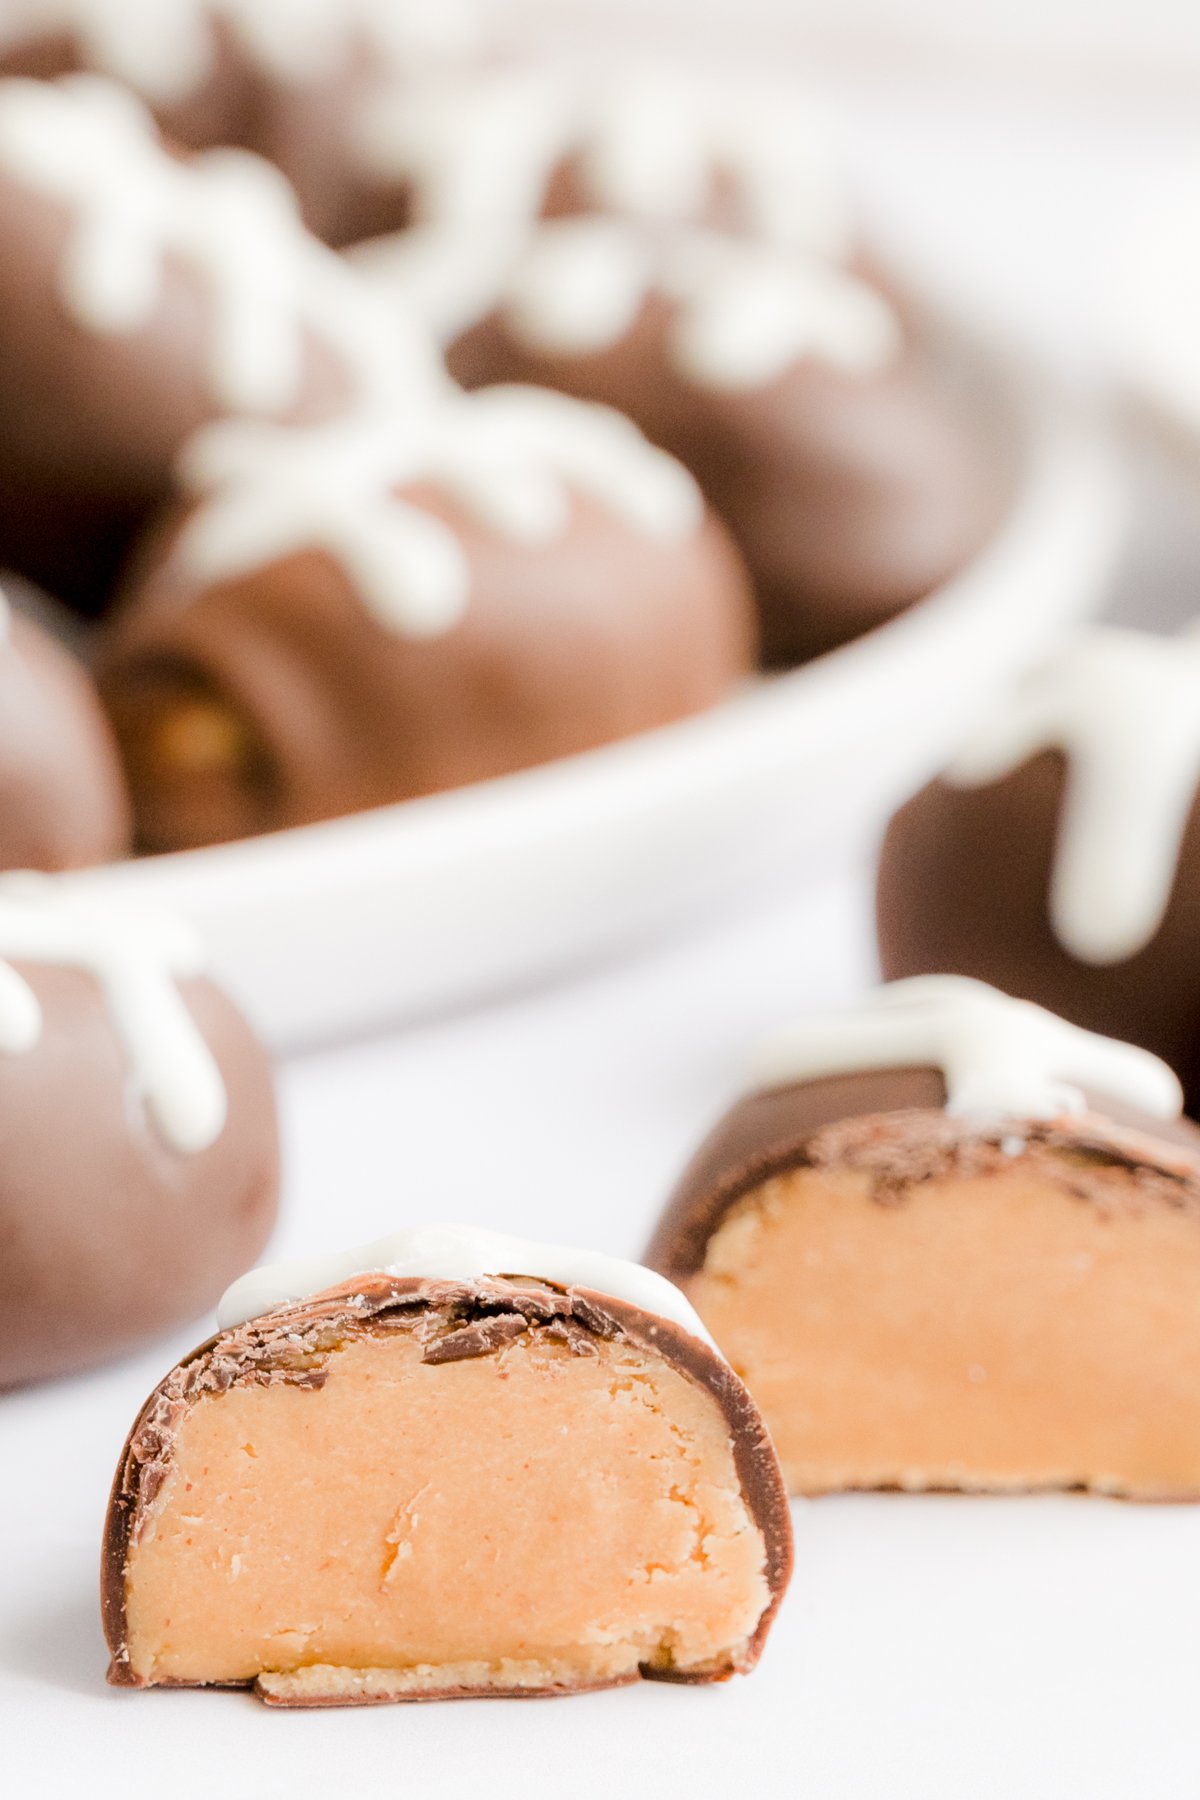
(337, 928)
(1154, 319)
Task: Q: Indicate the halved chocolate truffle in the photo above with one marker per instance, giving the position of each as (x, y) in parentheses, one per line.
(142, 295)
(937, 1266)
(1059, 855)
(471, 1465)
(62, 795)
(398, 604)
(140, 1160)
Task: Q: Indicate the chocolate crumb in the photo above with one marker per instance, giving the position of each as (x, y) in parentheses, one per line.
(476, 1340)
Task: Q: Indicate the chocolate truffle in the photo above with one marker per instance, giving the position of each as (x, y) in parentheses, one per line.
(390, 606)
(141, 296)
(1059, 856)
(284, 78)
(450, 1463)
(691, 270)
(140, 1154)
(62, 795)
(938, 1263)
(821, 429)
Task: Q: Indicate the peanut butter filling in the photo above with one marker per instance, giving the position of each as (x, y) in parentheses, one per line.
(997, 1331)
(524, 1519)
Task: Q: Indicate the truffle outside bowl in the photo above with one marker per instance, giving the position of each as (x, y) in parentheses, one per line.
(343, 927)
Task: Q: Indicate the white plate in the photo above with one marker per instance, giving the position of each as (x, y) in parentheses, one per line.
(337, 928)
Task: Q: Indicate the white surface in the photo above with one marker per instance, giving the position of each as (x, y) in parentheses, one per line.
(338, 927)
(972, 1649)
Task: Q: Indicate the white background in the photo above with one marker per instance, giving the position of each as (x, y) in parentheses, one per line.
(930, 1647)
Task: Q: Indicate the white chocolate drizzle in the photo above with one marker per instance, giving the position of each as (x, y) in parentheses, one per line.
(457, 1253)
(230, 219)
(999, 1057)
(478, 150)
(742, 312)
(167, 49)
(512, 457)
(1124, 709)
(137, 958)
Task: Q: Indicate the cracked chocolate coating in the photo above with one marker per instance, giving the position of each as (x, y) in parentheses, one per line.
(892, 1123)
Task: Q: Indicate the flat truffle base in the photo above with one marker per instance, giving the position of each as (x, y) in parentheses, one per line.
(990, 1332)
(532, 1519)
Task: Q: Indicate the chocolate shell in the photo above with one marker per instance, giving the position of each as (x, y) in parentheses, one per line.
(779, 1129)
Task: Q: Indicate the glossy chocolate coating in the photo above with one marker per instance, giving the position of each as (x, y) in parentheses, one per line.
(63, 803)
(599, 634)
(109, 1235)
(849, 496)
(963, 889)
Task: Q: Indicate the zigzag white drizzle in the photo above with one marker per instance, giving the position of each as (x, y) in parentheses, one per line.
(478, 150)
(138, 959)
(1000, 1057)
(1124, 708)
(743, 312)
(511, 456)
(230, 218)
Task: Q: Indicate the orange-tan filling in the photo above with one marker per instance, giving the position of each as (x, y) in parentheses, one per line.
(528, 1518)
(199, 771)
(998, 1332)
